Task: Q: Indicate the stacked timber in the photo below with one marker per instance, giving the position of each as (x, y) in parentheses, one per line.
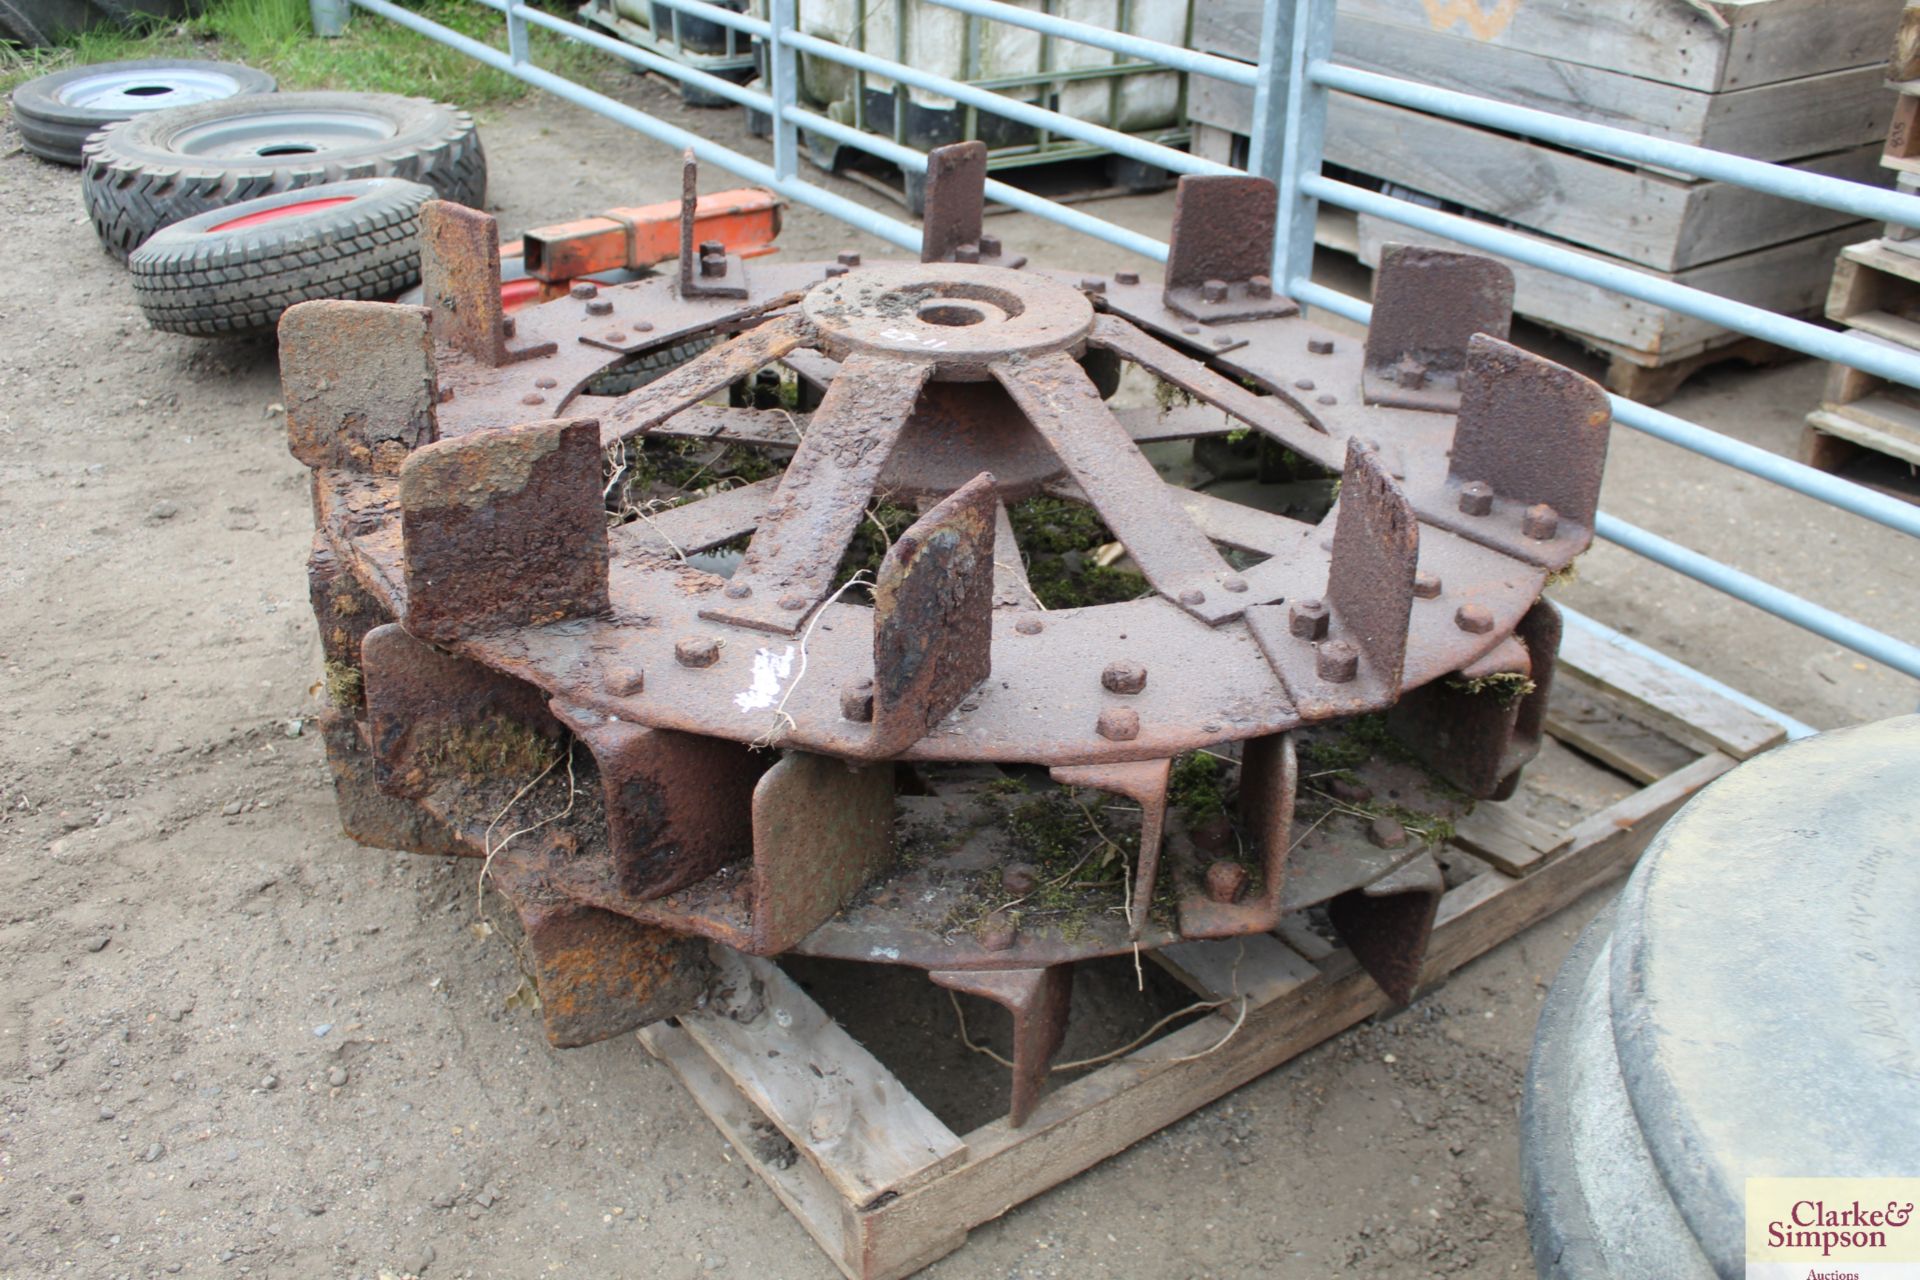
(1797, 82)
(1876, 294)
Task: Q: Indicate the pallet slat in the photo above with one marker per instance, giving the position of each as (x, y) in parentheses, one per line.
(833, 1100)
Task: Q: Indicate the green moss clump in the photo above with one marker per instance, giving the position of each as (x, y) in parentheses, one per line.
(1508, 686)
(869, 544)
(1055, 526)
(495, 747)
(1057, 586)
(345, 686)
(1195, 787)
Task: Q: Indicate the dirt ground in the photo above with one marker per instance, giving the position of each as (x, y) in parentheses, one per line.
(233, 1043)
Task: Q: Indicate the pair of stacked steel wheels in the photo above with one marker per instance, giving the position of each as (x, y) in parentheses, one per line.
(767, 761)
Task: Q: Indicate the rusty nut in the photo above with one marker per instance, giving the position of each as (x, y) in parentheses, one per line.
(1336, 661)
(856, 702)
(1119, 724)
(1307, 619)
(1474, 619)
(1020, 878)
(1541, 522)
(1476, 498)
(1426, 585)
(625, 682)
(1124, 677)
(1226, 881)
(696, 651)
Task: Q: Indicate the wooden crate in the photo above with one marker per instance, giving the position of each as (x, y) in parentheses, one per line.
(886, 1188)
(1650, 349)
(1876, 289)
(1754, 43)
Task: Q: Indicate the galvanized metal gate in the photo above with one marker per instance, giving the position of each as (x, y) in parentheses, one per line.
(1291, 84)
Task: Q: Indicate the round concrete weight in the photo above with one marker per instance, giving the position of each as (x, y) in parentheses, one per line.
(1749, 1009)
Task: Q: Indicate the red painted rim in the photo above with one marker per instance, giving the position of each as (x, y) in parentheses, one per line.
(283, 211)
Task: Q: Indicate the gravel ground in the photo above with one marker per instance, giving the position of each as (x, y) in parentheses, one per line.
(233, 1043)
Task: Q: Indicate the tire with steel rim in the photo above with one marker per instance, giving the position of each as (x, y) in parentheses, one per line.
(232, 271)
(57, 113)
(155, 170)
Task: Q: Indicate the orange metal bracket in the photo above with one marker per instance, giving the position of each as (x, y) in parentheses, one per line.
(746, 220)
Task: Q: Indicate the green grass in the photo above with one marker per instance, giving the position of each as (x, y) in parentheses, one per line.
(276, 36)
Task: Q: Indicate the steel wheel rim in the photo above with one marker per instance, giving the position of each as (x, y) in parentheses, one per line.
(132, 90)
(269, 135)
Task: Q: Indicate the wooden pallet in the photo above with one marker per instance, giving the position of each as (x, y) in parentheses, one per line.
(1876, 294)
(885, 1187)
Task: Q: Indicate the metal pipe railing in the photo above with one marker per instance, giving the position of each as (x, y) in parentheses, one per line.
(892, 230)
(1810, 339)
(1113, 140)
(1189, 60)
(1780, 180)
(1819, 619)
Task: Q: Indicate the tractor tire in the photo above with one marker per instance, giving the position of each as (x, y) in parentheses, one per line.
(57, 113)
(155, 170)
(37, 23)
(232, 271)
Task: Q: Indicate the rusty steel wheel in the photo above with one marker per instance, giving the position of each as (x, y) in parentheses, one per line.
(774, 762)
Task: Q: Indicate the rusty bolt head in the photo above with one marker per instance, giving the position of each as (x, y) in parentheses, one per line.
(1541, 522)
(966, 253)
(643, 326)
(1020, 878)
(1308, 619)
(1475, 619)
(1476, 498)
(1222, 340)
(848, 258)
(713, 264)
(1226, 881)
(625, 682)
(599, 307)
(1193, 596)
(1124, 677)
(533, 397)
(616, 336)
(1324, 398)
(835, 270)
(1336, 661)
(1126, 277)
(1189, 329)
(1411, 374)
(1320, 346)
(736, 591)
(1213, 291)
(1259, 286)
(1303, 384)
(1426, 585)
(793, 602)
(1386, 833)
(1092, 284)
(545, 384)
(989, 246)
(584, 289)
(696, 651)
(1235, 585)
(856, 702)
(1119, 724)
(997, 932)
(1349, 791)
(1028, 626)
